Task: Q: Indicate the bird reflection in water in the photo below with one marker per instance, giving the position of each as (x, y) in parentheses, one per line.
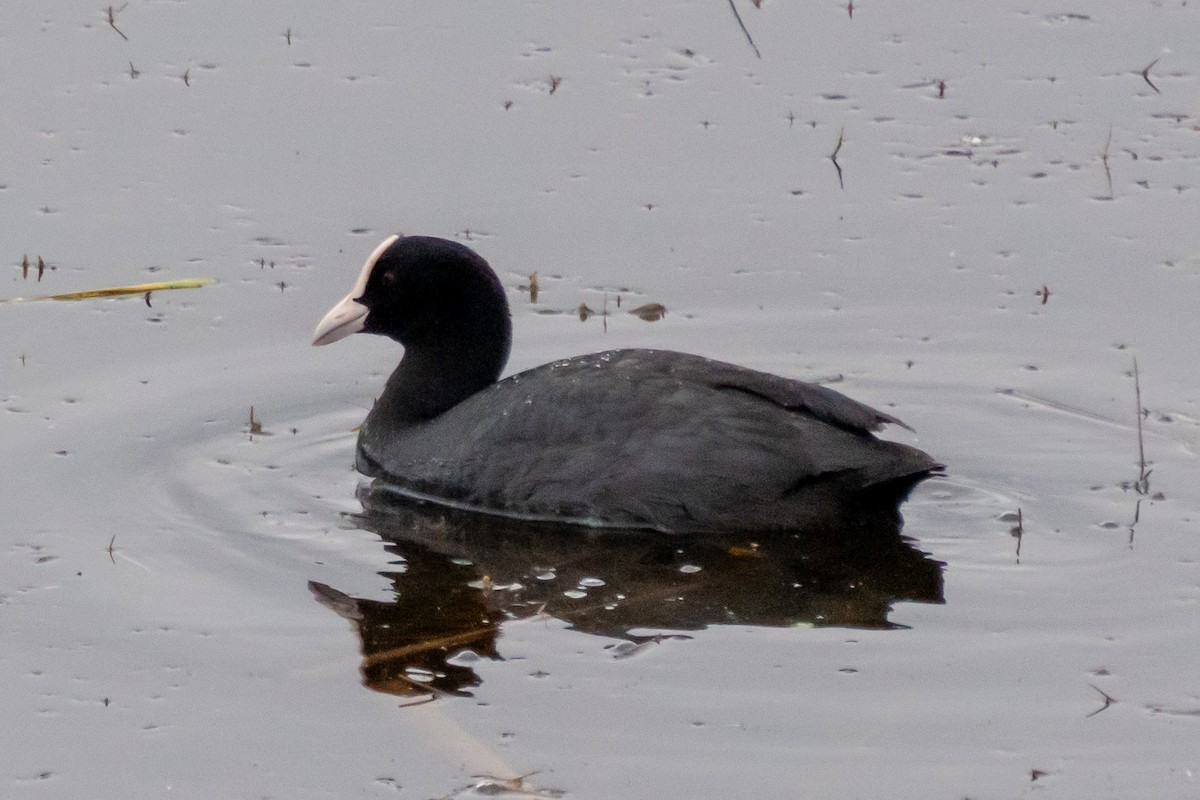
(463, 575)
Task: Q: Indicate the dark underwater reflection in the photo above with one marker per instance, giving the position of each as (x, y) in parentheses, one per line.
(461, 575)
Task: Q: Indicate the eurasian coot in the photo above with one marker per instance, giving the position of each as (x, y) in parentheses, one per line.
(647, 439)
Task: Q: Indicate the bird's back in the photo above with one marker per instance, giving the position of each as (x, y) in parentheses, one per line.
(647, 439)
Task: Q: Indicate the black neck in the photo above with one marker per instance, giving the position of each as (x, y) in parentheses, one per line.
(433, 378)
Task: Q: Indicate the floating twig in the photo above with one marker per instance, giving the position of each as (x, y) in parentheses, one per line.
(833, 157)
(1137, 515)
(742, 25)
(1143, 482)
(1018, 532)
(111, 542)
(1108, 699)
(1104, 161)
(118, 291)
(112, 21)
(1146, 75)
(1043, 293)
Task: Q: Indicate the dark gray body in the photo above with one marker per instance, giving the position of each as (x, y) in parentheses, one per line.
(645, 439)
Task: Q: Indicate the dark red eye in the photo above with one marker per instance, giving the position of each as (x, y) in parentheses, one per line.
(387, 278)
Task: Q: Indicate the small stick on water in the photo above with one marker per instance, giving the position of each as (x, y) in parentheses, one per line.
(1018, 531)
(1146, 75)
(742, 25)
(1104, 160)
(111, 542)
(1108, 699)
(1143, 482)
(112, 21)
(1137, 515)
(833, 157)
(118, 291)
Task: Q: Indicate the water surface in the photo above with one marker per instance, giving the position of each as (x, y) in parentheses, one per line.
(157, 548)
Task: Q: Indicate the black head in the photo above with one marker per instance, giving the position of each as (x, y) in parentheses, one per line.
(423, 292)
(441, 301)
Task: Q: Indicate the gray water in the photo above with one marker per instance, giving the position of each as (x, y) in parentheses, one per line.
(154, 558)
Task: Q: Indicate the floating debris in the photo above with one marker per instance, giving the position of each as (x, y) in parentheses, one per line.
(118, 291)
(742, 25)
(1104, 160)
(1143, 482)
(112, 20)
(833, 157)
(650, 312)
(1146, 75)
(255, 426)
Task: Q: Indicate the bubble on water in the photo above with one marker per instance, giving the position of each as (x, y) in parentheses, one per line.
(464, 658)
